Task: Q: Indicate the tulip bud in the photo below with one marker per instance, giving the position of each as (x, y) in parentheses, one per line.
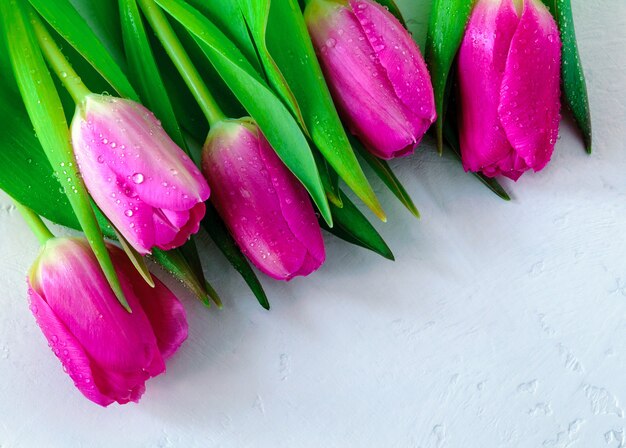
(509, 79)
(265, 208)
(108, 352)
(142, 181)
(375, 72)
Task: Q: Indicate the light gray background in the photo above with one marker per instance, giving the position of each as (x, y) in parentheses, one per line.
(500, 324)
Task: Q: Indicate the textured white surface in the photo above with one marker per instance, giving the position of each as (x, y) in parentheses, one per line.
(500, 324)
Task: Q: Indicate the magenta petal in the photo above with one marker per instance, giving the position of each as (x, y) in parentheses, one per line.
(69, 351)
(481, 61)
(190, 227)
(403, 63)
(264, 207)
(360, 87)
(530, 94)
(135, 172)
(162, 308)
(296, 208)
(128, 138)
(120, 346)
(120, 205)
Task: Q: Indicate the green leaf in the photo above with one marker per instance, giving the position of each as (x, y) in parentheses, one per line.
(256, 13)
(46, 114)
(26, 173)
(213, 295)
(572, 73)
(175, 263)
(144, 72)
(445, 32)
(64, 18)
(451, 138)
(135, 258)
(225, 243)
(104, 20)
(386, 174)
(352, 226)
(296, 61)
(274, 119)
(190, 251)
(330, 180)
(228, 17)
(221, 93)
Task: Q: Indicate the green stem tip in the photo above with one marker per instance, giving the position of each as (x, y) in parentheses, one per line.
(35, 223)
(175, 50)
(59, 63)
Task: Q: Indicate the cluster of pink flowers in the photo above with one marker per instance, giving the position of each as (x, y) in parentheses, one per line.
(509, 77)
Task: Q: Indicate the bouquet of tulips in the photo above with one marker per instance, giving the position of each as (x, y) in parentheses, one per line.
(154, 118)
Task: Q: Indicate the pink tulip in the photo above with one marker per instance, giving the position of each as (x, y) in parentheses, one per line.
(265, 208)
(143, 182)
(375, 72)
(108, 352)
(509, 76)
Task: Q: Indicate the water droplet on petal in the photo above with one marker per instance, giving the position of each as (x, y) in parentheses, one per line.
(128, 213)
(138, 178)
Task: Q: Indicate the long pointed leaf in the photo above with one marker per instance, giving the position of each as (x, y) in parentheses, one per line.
(135, 258)
(26, 173)
(144, 71)
(64, 18)
(445, 31)
(104, 19)
(574, 85)
(256, 13)
(352, 226)
(46, 113)
(175, 263)
(386, 174)
(228, 17)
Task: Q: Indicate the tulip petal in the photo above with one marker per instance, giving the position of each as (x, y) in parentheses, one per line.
(189, 227)
(245, 183)
(121, 346)
(482, 60)
(530, 94)
(295, 207)
(69, 351)
(143, 182)
(148, 197)
(360, 86)
(403, 63)
(124, 136)
(162, 308)
(116, 201)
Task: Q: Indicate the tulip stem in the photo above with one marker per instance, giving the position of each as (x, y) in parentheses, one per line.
(59, 63)
(35, 223)
(175, 50)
